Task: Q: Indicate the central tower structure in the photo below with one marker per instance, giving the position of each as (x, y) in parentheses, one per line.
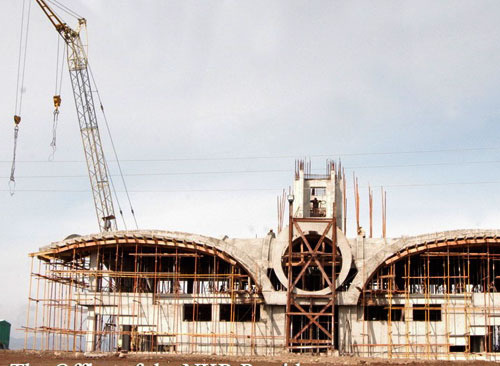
(312, 262)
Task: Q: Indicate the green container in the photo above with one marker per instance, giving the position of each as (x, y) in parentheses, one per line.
(4, 334)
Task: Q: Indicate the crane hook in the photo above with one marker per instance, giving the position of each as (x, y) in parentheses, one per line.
(57, 101)
(57, 104)
(12, 180)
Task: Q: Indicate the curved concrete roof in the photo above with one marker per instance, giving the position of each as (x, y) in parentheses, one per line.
(252, 254)
(237, 249)
(399, 248)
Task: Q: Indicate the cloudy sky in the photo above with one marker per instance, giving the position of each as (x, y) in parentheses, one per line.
(210, 102)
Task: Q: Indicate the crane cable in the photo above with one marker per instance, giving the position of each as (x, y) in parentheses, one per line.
(19, 88)
(65, 9)
(116, 196)
(114, 149)
(57, 103)
(113, 188)
(57, 97)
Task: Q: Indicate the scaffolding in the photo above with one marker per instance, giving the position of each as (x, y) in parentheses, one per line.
(432, 297)
(437, 300)
(311, 263)
(144, 294)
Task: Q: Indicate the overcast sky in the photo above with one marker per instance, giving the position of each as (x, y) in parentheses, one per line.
(228, 86)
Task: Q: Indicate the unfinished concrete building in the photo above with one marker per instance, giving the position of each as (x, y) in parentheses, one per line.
(307, 288)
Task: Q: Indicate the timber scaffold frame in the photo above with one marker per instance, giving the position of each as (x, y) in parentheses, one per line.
(439, 300)
(310, 318)
(143, 294)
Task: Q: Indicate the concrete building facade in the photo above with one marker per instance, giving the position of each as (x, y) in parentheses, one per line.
(306, 288)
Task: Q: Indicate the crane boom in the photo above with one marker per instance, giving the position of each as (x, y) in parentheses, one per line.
(87, 119)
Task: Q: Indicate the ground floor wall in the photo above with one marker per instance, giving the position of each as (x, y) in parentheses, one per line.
(215, 325)
(442, 327)
(458, 326)
(462, 326)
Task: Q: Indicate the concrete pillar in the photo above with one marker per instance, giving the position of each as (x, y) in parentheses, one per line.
(93, 267)
(90, 336)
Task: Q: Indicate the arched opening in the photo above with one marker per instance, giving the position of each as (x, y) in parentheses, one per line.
(310, 270)
(444, 290)
(445, 269)
(150, 294)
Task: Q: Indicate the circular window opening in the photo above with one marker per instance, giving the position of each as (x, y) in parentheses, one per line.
(312, 272)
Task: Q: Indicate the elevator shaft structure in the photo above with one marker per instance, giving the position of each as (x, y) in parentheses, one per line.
(87, 119)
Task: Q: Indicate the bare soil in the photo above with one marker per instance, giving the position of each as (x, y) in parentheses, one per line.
(71, 359)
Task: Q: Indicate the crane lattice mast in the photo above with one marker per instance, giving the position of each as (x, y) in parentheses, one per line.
(87, 119)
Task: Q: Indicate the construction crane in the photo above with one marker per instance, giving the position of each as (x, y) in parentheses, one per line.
(87, 119)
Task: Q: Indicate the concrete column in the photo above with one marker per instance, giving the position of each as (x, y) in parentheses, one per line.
(360, 248)
(90, 336)
(93, 267)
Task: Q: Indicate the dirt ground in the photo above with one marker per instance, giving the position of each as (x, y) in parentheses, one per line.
(72, 359)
